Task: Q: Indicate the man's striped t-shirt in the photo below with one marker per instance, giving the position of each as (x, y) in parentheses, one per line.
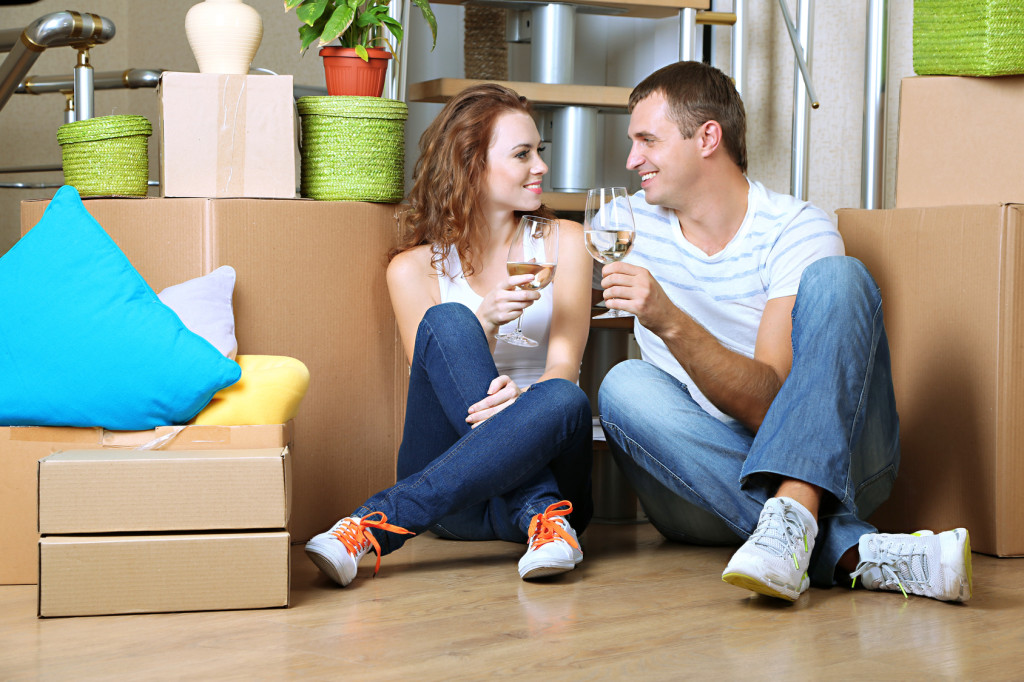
(726, 292)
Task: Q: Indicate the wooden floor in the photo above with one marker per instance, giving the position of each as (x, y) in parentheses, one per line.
(637, 608)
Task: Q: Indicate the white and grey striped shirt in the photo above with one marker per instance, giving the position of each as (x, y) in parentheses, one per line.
(727, 292)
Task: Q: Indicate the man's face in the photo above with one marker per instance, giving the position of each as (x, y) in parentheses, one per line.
(665, 160)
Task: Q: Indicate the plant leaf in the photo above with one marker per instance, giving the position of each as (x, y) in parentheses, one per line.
(310, 12)
(307, 34)
(339, 22)
(363, 54)
(291, 4)
(428, 14)
(394, 26)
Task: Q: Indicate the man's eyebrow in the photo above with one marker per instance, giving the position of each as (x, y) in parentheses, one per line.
(640, 133)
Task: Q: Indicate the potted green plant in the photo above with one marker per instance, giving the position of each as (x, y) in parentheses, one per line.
(357, 65)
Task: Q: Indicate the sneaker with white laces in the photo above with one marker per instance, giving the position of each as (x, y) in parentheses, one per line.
(337, 552)
(553, 547)
(774, 559)
(921, 563)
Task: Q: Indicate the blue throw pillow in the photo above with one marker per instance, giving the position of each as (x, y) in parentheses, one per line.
(84, 341)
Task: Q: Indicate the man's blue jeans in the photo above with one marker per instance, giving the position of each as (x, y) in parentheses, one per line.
(485, 483)
(832, 424)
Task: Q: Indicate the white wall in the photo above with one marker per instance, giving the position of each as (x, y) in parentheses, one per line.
(609, 50)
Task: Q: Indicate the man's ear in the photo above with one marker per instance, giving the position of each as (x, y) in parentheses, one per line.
(709, 137)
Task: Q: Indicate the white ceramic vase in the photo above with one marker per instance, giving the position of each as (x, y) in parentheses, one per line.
(224, 35)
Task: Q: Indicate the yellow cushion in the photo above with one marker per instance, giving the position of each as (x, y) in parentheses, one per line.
(269, 392)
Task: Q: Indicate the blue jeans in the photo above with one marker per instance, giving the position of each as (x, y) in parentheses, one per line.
(485, 483)
(832, 424)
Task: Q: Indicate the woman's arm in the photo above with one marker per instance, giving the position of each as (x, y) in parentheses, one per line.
(412, 284)
(570, 320)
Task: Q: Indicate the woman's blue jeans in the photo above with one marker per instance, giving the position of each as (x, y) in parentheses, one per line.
(833, 424)
(485, 483)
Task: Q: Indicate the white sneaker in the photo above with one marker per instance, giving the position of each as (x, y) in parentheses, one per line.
(337, 552)
(922, 563)
(553, 547)
(774, 559)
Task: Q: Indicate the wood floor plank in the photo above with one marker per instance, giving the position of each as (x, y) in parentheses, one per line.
(637, 607)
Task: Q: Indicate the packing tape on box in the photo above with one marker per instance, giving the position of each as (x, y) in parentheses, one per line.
(163, 440)
(231, 134)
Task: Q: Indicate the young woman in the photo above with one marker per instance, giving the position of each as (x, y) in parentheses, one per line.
(497, 438)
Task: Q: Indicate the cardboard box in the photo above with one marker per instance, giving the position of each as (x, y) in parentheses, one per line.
(116, 574)
(952, 283)
(104, 491)
(960, 141)
(311, 286)
(22, 446)
(227, 135)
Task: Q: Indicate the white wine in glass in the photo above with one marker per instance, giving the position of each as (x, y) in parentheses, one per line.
(608, 229)
(534, 251)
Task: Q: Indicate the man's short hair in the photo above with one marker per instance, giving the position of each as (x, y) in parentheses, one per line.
(697, 93)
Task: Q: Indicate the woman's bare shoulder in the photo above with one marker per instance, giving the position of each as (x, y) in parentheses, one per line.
(570, 227)
(414, 263)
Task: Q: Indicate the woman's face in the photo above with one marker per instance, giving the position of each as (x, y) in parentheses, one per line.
(514, 166)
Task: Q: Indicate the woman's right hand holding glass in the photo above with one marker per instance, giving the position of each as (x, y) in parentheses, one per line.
(505, 303)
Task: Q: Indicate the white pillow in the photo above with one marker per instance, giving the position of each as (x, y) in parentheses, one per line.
(204, 306)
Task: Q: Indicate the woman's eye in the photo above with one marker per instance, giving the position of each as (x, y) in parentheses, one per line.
(541, 149)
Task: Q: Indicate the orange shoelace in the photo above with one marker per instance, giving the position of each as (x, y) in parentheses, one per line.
(355, 536)
(543, 527)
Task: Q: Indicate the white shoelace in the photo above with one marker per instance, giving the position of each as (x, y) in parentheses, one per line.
(895, 561)
(781, 539)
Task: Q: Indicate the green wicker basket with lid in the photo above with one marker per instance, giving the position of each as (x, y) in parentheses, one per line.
(353, 148)
(107, 155)
(968, 37)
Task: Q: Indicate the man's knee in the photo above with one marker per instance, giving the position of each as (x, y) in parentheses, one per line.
(619, 387)
(837, 284)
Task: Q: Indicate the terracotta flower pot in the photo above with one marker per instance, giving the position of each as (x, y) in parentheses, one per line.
(348, 74)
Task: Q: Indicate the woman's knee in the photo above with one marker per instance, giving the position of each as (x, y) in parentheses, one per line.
(567, 397)
(449, 321)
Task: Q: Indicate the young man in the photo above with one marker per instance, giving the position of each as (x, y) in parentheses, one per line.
(763, 407)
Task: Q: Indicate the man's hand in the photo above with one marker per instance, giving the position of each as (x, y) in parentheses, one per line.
(634, 290)
(500, 394)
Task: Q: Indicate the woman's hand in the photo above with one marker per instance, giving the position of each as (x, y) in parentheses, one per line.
(505, 303)
(500, 394)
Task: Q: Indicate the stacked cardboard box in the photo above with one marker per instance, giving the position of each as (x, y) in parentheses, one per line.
(950, 264)
(142, 531)
(311, 286)
(227, 135)
(22, 447)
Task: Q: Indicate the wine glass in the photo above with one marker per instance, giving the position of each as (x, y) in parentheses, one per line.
(534, 251)
(608, 229)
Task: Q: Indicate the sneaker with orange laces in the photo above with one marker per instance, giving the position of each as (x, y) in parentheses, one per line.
(553, 547)
(337, 551)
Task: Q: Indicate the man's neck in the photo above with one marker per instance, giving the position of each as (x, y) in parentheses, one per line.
(715, 216)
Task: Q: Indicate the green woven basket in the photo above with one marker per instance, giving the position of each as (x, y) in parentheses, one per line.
(968, 37)
(108, 155)
(353, 148)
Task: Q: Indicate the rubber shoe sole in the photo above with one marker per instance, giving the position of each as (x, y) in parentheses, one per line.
(547, 569)
(966, 591)
(755, 585)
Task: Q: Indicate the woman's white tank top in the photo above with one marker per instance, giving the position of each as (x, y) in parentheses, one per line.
(523, 365)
